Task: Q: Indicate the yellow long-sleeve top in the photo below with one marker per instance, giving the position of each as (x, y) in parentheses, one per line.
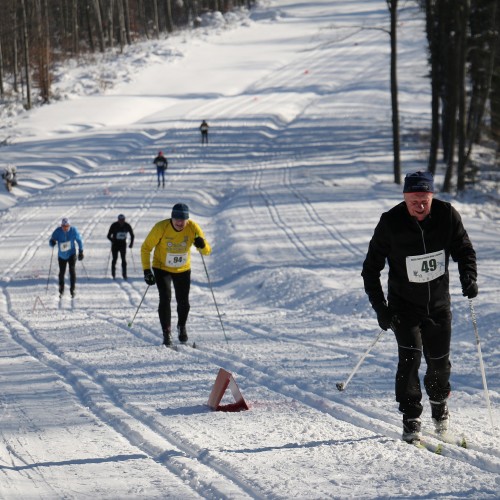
(172, 249)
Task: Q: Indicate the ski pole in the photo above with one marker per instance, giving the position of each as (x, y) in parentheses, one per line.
(50, 269)
(107, 264)
(213, 296)
(138, 307)
(481, 364)
(341, 386)
(85, 270)
(133, 260)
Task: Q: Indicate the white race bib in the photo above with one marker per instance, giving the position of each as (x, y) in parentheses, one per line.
(176, 259)
(121, 236)
(425, 268)
(64, 246)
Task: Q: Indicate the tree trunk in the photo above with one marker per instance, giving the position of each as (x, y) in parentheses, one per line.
(393, 6)
(99, 26)
(26, 55)
(462, 13)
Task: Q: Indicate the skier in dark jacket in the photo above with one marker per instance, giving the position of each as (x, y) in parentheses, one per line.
(417, 238)
(161, 166)
(117, 234)
(204, 132)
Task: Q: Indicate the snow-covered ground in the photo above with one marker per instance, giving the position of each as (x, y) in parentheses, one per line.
(288, 192)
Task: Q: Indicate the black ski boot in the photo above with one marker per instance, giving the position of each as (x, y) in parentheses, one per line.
(167, 338)
(183, 336)
(411, 430)
(440, 416)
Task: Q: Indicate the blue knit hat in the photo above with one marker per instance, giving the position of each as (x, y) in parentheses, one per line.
(419, 182)
(180, 211)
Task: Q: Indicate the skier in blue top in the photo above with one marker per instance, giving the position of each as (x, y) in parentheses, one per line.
(67, 237)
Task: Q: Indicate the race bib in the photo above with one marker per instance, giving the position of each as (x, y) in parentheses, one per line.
(176, 259)
(64, 246)
(121, 236)
(425, 268)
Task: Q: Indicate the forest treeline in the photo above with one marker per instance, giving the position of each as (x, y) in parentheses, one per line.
(464, 70)
(36, 33)
(463, 51)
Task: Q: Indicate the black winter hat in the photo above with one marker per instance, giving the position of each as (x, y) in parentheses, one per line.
(419, 182)
(180, 211)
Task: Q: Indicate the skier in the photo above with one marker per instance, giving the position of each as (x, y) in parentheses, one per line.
(171, 240)
(67, 238)
(117, 234)
(9, 175)
(417, 238)
(161, 166)
(204, 132)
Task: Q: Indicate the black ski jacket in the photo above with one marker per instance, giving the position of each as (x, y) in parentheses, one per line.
(117, 234)
(398, 236)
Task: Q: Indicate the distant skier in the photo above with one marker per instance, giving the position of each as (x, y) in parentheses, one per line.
(67, 238)
(161, 166)
(117, 234)
(204, 132)
(9, 175)
(416, 238)
(171, 240)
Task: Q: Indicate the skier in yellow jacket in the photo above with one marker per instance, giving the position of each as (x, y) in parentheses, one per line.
(171, 240)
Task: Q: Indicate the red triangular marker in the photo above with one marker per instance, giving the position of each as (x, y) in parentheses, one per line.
(222, 382)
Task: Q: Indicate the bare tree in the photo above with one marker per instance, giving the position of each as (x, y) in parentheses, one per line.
(26, 55)
(393, 8)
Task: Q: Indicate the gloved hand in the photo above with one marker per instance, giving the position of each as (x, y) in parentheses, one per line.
(199, 242)
(469, 287)
(131, 245)
(52, 242)
(80, 255)
(149, 277)
(385, 317)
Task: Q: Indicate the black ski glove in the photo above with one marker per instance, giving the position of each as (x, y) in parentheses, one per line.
(131, 244)
(385, 317)
(52, 242)
(80, 255)
(199, 242)
(149, 277)
(469, 287)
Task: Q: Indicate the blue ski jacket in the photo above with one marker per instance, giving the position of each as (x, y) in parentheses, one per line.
(66, 242)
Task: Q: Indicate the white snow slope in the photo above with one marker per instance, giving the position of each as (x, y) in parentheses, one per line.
(288, 192)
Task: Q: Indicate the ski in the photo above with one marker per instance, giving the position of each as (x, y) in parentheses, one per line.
(452, 439)
(437, 449)
(175, 347)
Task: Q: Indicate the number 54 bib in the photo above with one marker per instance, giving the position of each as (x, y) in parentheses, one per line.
(426, 267)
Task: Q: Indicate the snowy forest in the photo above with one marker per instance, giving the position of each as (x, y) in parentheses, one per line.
(462, 44)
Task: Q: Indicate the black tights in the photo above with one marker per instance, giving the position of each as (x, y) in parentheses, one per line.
(182, 284)
(72, 272)
(431, 336)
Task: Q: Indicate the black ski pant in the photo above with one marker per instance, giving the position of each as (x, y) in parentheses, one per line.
(204, 137)
(115, 250)
(160, 172)
(430, 335)
(182, 285)
(72, 272)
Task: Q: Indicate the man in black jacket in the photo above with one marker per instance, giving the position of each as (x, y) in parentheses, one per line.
(417, 238)
(117, 234)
